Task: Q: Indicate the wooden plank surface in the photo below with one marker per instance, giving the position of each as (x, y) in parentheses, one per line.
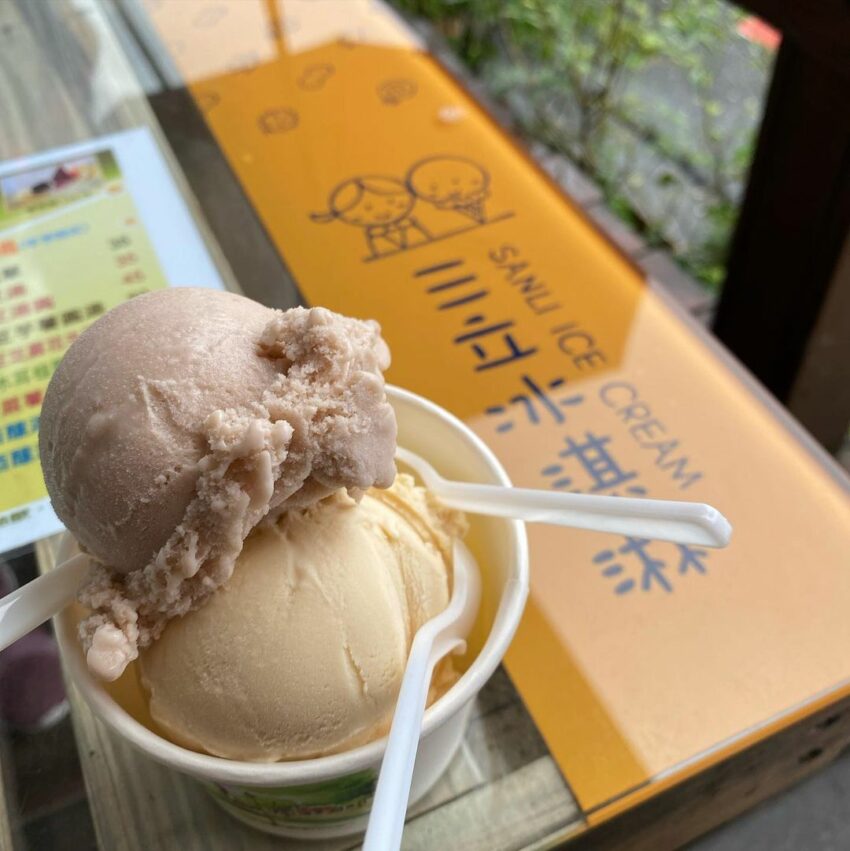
(6, 816)
(502, 791)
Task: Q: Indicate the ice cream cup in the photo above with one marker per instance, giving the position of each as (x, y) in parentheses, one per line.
(330, 796)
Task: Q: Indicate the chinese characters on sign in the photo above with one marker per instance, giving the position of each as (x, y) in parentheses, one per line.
(631, 566)
(537, 402)
(583, 461)
(493, 342)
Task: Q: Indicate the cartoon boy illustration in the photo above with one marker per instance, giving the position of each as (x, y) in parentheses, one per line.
(382, 207)
(451, 183)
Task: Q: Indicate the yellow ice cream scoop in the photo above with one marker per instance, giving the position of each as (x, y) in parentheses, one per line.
(302, 652)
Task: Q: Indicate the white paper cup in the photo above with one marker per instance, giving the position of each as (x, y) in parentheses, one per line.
(330, 796)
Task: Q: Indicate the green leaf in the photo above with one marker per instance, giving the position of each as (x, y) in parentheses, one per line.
(667, 178)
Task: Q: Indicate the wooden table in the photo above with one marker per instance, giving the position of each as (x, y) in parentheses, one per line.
(503, 790)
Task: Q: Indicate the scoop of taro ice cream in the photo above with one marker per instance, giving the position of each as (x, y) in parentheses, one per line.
(182, 419)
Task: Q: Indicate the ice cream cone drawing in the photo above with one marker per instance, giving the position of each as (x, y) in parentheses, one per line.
(451, 183)
(380, 205)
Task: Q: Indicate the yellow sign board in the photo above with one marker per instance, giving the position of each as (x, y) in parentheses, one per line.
(391, 194)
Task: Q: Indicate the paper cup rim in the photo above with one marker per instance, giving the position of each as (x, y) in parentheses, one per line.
(297, 772)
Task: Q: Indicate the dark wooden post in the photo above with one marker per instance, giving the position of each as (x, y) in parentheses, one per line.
(783, 268)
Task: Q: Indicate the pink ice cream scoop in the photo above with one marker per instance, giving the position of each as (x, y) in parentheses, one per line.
(181, 420)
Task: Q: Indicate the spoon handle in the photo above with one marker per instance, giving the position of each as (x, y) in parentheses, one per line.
(32, 604)
(661, 519)
(437, 637)
(386, 821)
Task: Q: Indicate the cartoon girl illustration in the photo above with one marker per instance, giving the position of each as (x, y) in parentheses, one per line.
(382, 207)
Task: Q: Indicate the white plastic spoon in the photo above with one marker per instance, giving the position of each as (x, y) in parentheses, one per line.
(433, 640)
(37, 601)
(666, 520)
(661, 519)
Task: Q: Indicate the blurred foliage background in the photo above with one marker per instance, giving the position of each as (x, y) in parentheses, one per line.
(657, 100)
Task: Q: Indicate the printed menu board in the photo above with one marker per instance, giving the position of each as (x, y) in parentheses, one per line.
(82, 229)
